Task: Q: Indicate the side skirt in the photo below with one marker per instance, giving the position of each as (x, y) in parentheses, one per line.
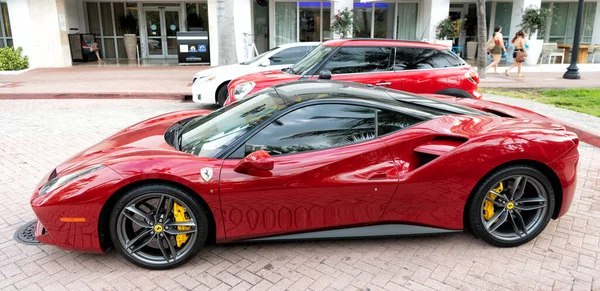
(383, 230)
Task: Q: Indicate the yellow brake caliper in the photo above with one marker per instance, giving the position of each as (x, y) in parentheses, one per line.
(488, 206)
(179, 213)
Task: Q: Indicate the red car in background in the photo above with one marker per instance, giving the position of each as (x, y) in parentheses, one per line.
(410, 66)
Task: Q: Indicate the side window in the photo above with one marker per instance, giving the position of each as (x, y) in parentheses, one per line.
(314, 127)
(452, 58)
(420, 58)
(289, 56)
(348, 60)
(390, 121)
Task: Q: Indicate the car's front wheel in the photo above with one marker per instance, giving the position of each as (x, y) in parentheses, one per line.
(158, 226)
(222, 94)
(511, 206)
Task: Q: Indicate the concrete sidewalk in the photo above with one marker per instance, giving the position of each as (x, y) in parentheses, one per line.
(543, 76)
(166, 82)
(584, 125)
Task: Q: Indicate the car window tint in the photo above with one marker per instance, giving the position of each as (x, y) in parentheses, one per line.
(420, 58)
(313, 128)
(289, 56)
(452, 58)
(390, 121)
(348, 60)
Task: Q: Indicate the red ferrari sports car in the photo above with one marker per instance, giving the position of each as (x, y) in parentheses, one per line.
(311, 160)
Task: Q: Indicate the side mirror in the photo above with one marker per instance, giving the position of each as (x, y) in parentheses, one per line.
(259, 160)
(265, 63)
(325, 75)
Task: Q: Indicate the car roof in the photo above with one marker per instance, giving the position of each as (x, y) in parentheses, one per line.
(307, 90)
(383, 42)
(296, 44)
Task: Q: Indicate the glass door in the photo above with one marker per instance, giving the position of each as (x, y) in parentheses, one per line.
(154, 31)
(162, 26)
(171, 21)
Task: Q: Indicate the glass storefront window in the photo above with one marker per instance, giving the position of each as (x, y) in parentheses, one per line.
(562, 26)
(286, 21)
(503, 18)
(104, 22)
(363, 15)
(384, 20)
(406, 21)
(326, 20)
(5, 31)
(196, 16)
(310, 21)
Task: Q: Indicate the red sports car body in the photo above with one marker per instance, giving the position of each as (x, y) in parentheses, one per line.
(412, 168)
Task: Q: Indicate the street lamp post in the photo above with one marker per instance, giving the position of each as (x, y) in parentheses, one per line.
(573, 71)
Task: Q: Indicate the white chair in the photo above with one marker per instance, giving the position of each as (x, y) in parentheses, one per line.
(552, 51)
(596, 51)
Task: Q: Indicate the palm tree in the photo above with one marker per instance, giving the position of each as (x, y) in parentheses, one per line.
(227, 51)
(481, 39)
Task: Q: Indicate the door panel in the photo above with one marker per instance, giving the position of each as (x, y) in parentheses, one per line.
(337, 187)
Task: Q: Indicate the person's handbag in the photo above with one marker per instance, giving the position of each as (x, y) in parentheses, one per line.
(521, 56)
(491, 44)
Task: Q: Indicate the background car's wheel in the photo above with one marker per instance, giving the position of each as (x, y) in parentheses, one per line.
(158, 226)
(511, 206)
(222, 94)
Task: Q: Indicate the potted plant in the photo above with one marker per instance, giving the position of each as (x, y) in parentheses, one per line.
(471, 31)
(343, 24)
(534, 21)
(447, 31)
(129, 24)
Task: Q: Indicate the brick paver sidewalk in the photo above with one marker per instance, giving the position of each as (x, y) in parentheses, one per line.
(36, 135)
(167, 81)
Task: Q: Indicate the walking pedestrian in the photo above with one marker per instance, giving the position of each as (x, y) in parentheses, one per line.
(520, 53)
(496, 47)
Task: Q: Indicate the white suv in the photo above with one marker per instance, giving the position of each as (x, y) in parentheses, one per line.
(210, 86)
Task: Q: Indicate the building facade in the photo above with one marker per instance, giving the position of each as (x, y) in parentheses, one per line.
(42, 27)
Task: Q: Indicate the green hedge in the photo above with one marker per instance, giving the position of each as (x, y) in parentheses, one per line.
(11, 59)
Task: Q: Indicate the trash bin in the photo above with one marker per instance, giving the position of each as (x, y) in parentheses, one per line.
(193, 48)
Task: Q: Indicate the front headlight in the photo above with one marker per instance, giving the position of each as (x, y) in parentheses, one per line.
(205, 78)
(59, 181)
(242, 90)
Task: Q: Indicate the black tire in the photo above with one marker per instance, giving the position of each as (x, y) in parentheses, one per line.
(222, 94)
(161, 242)
(526, 224)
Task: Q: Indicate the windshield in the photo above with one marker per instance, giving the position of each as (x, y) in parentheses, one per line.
(208, 135)
(306, 63)
(259, 57)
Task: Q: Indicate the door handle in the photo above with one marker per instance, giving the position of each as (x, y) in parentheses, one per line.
(377, 176)
(383, 84)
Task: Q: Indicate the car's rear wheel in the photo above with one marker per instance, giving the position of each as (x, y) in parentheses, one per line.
(222, 95)
(158, 226)
(512, 206)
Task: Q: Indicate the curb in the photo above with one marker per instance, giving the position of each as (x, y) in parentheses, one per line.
(584, 135)
(132, 95)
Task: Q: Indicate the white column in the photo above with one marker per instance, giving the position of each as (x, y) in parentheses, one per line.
(596, 31)
(242, 20)
(434, 11)
(517, 15)
(213, 32)
(41, 29)
(337, 6)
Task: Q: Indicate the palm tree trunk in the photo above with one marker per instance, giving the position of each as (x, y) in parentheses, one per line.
(481, 39)
(226, 35)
